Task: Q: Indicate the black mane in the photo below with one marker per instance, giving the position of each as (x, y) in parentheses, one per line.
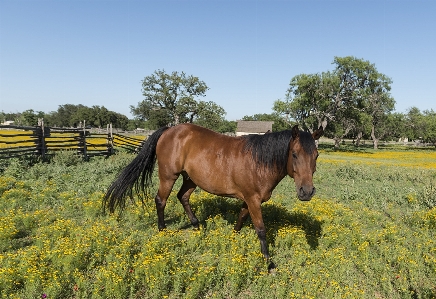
(272, 150)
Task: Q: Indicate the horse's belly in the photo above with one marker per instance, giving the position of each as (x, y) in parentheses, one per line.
(221, 184)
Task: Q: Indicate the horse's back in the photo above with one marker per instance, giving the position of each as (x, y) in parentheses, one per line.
(189, 141)
(193, 137)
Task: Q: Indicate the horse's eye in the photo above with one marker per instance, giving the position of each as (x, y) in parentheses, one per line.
(294, 155)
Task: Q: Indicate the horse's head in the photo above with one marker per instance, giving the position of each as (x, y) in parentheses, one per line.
(302, 161)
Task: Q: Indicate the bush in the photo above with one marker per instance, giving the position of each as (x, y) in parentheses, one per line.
(67, 158)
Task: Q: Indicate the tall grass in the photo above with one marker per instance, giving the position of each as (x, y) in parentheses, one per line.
(368, 233)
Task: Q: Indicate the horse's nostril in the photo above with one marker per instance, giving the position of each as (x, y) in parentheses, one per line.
(306, 193)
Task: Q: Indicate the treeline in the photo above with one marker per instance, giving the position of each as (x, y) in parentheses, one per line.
(69, 115)
(414, 125)
(352, 101)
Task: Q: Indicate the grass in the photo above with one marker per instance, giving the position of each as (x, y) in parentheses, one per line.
(368, 233)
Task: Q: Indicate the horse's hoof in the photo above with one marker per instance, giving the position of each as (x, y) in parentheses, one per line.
(196, 224)
(272, 268)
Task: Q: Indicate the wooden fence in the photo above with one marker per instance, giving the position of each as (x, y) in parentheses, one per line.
(17, 141)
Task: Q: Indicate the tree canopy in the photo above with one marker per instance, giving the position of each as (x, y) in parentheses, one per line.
(350, 98)
(170, 99)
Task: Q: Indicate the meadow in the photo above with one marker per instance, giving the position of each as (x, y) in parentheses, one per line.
(369, 232)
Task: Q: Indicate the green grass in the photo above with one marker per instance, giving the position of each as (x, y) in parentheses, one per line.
(368, 233)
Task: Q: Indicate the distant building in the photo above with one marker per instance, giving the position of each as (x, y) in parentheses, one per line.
(244, 127)
(8, 123)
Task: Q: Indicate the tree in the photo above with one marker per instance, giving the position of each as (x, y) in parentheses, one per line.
(280, 124)
(208, 115)
(396, 124)
(226, 126)
(377, 101)
(429, 126)
(134, 124)
(304, 101)
(96, 116)
(422, 125)
(413, 119)
(361, 128)
(338, 97)
(152, 116)
(171, 99)
(99, 116)
(63, 117)
(29, 118)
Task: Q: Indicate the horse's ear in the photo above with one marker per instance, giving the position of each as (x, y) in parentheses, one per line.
(318, 133)
(295, 132)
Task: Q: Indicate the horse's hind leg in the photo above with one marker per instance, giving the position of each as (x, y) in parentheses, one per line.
(185, 192)
(165, 186)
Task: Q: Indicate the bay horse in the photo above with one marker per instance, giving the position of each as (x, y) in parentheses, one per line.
(246, 167)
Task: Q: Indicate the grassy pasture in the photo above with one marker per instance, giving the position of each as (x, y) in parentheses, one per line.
(368, 233)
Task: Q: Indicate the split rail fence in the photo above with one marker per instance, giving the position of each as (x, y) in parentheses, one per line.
(17, 141)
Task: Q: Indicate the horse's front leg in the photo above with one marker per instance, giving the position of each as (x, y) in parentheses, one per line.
(254, 207)
(243, 215)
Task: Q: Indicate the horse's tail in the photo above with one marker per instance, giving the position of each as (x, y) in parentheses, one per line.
(137, 175)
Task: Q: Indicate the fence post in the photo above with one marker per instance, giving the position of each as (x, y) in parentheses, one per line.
(41, 147)
(110, 140)
(82, 141)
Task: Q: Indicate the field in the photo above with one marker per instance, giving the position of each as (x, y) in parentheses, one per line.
(369, 232)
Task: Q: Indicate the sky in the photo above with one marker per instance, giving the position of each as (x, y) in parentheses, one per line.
(97, 52)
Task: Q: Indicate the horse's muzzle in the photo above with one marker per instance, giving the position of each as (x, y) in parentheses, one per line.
(306, 193)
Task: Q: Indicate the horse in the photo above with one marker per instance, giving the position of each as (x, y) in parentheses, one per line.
(246, 167)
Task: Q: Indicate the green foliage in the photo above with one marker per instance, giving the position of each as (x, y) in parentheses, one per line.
(226, 126)
(208, 115)
(135, 124)
(67, 158)
(171, 99)
(342, 101)
(279, 124)
(30, 118)
(421, 125)
(70, 116)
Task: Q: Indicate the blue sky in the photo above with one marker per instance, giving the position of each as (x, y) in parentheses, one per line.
(97, 52)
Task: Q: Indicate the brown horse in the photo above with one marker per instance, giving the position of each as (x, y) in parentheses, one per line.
(248, 168)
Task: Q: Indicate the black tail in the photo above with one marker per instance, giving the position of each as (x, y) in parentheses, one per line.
(136, 175)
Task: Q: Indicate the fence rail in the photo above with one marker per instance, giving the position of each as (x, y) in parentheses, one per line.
(18, 141)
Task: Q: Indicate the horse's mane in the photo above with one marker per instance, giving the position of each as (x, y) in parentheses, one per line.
(272, 149)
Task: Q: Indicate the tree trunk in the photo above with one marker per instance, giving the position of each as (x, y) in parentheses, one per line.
(359, 137)
(176, 119)
(374, 139)
(337, 142)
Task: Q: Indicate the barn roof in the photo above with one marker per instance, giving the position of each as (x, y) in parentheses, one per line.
(254, 127)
